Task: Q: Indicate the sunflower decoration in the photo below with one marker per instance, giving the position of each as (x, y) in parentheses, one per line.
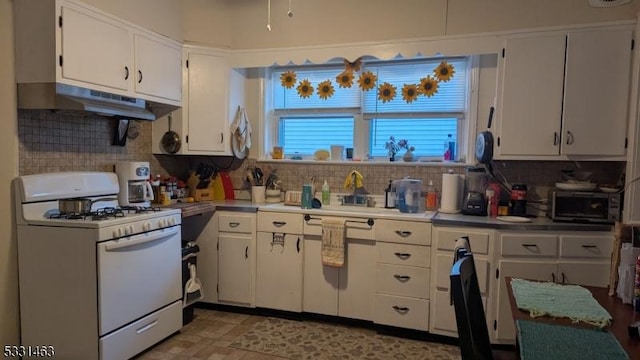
(305, 89)
(352, 66)
(345, 79)
(367, 80)
(410, 93)
(325, 90)
(288, 79)
(386, 92)
(444, 71)
(428, 86)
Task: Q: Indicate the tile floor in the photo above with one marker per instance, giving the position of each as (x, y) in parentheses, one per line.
(208, 337)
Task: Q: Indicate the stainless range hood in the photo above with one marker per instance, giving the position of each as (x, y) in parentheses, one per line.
(55, 96)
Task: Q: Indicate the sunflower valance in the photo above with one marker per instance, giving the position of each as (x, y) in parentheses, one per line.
(368, 80)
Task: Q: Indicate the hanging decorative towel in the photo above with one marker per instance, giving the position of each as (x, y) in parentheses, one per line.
(241, 134)
(333, 242)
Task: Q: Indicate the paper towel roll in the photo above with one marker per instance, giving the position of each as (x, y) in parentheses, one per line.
(450, 201)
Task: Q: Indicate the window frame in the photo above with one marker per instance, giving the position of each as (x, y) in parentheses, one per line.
(466, 133)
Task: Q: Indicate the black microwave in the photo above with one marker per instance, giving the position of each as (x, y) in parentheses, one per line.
(584, 206)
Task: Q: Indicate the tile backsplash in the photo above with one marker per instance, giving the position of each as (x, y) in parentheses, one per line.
(62, 141)
(56, 141)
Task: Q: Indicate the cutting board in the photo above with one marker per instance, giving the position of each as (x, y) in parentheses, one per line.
(228, 186)
(218, 188)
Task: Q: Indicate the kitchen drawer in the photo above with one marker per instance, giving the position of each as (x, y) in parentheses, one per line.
(444, 262)
(287, 223)
(446, 239)
(356, 228)
(400, 311)
(529, 245)
(403, 254)
(138, 336)
(404, 232)
(402, 280)
(236, 223)
(586, 246)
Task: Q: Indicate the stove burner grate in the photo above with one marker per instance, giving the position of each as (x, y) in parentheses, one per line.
(140, 209)
(100, 214)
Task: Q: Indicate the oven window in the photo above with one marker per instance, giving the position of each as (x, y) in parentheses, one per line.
(582, 208)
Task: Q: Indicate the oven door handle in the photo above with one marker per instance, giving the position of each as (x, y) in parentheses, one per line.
(142, 238)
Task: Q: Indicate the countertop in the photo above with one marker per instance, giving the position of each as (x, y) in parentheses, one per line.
(539, 223)
(437, 218)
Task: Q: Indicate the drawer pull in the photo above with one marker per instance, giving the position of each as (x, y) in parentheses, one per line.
(279, 223)
(400, 309)
(403, 256)
(403, 233)
(590, 246)
(402, 278)
(234, 224)
(147, 327)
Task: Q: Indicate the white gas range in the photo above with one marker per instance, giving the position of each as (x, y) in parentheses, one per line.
(99, 285)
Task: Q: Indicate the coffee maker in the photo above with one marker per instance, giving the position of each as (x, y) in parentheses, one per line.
(475, 184)
(135, 188)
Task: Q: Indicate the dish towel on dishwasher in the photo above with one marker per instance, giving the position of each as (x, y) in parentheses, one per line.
(333, 242)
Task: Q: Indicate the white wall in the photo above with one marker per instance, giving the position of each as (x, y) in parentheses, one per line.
(242, 24)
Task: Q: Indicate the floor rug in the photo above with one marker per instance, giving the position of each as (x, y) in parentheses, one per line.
(311, 340)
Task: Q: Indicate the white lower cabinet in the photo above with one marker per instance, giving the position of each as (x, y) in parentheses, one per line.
(347, 291)
(581, 258)
(236, 258)
(443, 318)
(279, 261)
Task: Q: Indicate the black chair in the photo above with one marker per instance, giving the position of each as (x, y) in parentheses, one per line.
(470, 318)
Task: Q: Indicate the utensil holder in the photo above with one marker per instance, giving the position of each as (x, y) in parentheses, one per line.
(258, 194)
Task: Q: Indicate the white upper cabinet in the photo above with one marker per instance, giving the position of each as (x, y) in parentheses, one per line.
(69, 42)
(564, 95)
(596, 92)
(91, 42)
(212, 93)
(158, 69)
(207, 105)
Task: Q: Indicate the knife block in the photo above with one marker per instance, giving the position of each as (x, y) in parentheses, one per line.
(199, 194)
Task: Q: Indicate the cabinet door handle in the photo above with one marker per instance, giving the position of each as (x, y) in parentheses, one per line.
(246, 252)
(563, 279)
(279, 223)
(553, 277)
(139, 76)
(234, 224)
(126, 73)
(298, 245)
(400, 309)
(556, 139)
(403, 256)
(569, 137)
(402, 278)
(221, 138)
(403, 233)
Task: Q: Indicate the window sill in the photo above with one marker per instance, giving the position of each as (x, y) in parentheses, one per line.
(369, 163)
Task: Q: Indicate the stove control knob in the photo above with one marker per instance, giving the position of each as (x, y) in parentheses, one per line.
(127, 231)
(131, 229)
(172, 221)
(146, 226)
(162, 223)
(117, 233)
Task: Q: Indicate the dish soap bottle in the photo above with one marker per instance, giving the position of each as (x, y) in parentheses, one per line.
(432, 197)
(326, 195)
